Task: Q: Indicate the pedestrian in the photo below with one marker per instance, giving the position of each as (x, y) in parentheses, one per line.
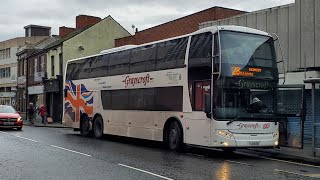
(31, 113)
(43, 113)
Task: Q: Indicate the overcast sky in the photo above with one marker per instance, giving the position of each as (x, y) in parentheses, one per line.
(15, 14)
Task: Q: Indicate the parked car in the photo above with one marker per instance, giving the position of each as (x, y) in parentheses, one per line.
(10, 118)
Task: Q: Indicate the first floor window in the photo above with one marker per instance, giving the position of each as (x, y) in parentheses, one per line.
(52, 65)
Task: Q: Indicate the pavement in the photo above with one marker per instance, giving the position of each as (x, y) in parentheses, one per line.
(60, 153)
(38, 122)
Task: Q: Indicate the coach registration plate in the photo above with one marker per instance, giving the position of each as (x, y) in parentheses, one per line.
(254, 143)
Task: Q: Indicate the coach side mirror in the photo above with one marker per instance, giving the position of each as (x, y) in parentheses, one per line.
(207, 105)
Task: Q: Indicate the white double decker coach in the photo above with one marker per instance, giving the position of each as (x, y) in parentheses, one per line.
(215, 87)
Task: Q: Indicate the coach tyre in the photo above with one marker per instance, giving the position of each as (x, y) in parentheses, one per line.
(98, 127)
(85, 126)
(175, 137)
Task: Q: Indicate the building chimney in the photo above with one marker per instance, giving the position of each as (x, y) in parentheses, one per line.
(83, 21)
(36, 30)
(63, 31)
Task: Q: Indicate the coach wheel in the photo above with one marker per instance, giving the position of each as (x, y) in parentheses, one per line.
(85, 126)
(175, 137)
(98, 127)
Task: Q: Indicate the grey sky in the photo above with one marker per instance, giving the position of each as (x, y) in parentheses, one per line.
(15, 14)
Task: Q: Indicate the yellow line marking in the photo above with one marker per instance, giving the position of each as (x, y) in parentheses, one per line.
(289, 172)
(314, 175)
(301, 164)
(279, 160)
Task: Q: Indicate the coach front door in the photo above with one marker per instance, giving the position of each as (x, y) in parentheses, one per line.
(198, 125)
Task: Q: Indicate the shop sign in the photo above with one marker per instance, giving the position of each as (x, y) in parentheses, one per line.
(38, 76)
(22, 80)
(7, 94)
(35, 90)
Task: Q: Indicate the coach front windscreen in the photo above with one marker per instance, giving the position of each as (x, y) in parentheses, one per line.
(246, 88)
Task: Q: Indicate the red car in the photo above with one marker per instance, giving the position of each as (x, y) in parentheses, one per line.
(10, 118)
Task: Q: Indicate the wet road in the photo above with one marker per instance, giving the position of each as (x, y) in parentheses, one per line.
(53, 153)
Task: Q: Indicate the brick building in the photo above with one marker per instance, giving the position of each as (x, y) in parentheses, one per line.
(178, 27)
(90, 36)
(31, 70)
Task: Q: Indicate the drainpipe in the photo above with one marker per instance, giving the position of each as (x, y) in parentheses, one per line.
(27, 79)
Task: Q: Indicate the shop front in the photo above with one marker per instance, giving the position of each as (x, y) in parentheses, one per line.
(36, 95)
(52, 89)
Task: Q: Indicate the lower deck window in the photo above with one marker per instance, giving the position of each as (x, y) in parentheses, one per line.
(148, 99)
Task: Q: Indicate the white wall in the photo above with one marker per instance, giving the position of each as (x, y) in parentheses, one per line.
(13, 58)
(12, 63)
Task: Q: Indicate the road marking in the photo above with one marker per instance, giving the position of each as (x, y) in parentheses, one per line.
(88, 155)
(289, 172)
(238, 162)
(314, 175)
(199, 155)
(301, 164)
(20, 137)
(157, 175)
(279, 160)
(26, 138)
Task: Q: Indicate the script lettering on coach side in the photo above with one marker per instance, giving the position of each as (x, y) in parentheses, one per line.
(132, 81)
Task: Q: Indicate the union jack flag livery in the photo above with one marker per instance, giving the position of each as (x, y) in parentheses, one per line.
(78, 101)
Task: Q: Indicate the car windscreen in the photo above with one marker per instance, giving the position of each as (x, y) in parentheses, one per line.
(7, 109)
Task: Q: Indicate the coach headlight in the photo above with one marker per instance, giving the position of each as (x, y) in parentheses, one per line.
(225, 134)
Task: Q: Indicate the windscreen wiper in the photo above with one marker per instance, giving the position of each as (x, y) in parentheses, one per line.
(232, 120)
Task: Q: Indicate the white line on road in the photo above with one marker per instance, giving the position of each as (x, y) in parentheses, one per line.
(20, 137)
(26, 138)
(88, 155)
(238, 162)
(157, 175)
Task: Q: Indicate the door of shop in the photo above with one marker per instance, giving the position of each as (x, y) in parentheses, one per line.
(291, 101)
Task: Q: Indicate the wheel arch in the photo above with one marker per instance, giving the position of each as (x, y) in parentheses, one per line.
(97, 115)
(82, 116)
(94, 118)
